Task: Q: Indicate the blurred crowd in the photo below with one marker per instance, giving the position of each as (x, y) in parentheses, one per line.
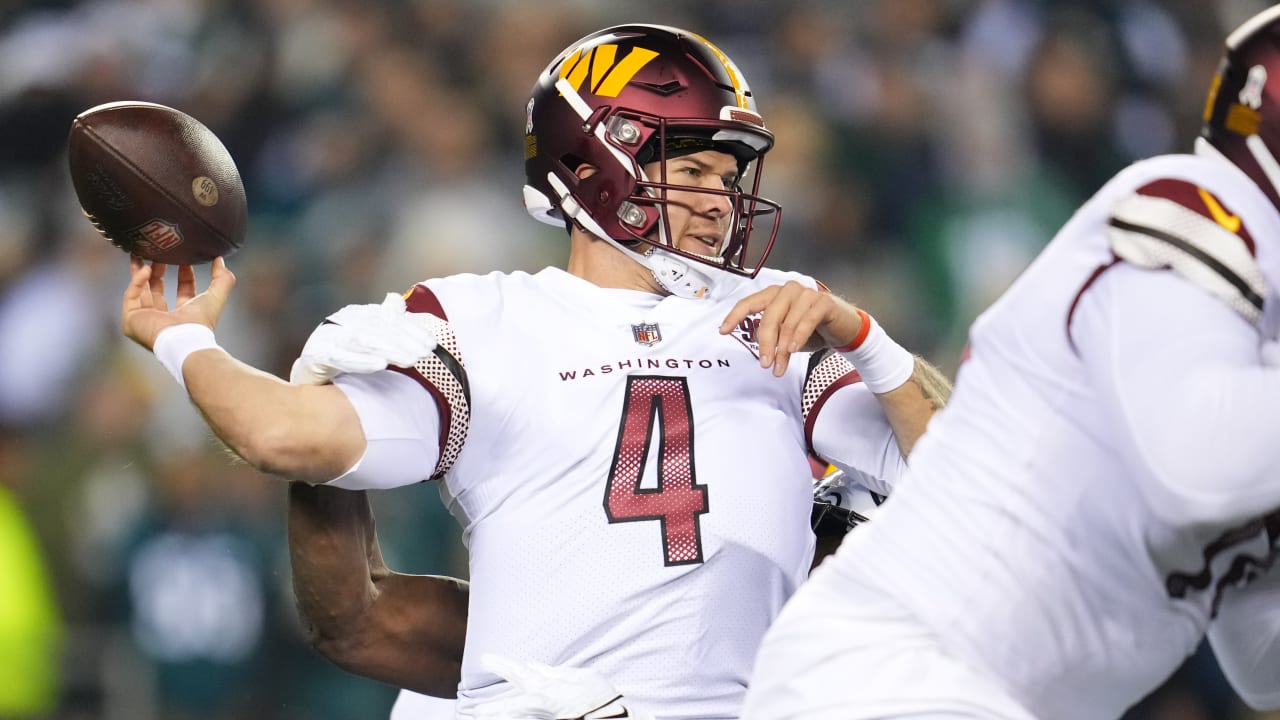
(927, 149)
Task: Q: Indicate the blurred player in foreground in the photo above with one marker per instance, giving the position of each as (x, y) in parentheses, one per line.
(1104, 488)
(625, 441)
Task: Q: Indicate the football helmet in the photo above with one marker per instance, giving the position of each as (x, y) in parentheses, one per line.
(630, 95)
(1242, 110)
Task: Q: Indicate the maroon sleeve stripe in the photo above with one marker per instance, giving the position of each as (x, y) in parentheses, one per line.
(420, 299)
(442, 408)
(850, 379)
(443, 375)
(828, 372)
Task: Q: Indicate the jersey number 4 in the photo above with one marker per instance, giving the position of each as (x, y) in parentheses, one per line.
(657, 407)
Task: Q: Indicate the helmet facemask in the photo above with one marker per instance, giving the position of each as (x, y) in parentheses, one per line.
(644, 215)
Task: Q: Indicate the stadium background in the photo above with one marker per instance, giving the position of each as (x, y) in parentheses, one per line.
(927, 149)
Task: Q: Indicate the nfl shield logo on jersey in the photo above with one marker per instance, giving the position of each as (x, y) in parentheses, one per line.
(646, 333)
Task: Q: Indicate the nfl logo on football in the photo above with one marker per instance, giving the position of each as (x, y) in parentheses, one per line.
(155, 235)
(646, 333)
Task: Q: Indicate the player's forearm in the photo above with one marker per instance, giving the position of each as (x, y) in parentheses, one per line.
(402, 646)
(910, 406)
(333, 553)
(359, 614)
(307, 433)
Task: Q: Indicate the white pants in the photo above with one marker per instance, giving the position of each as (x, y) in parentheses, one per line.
(844, 650)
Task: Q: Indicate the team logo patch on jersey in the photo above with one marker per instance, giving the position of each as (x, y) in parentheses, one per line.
(745, 333)
(647, 333)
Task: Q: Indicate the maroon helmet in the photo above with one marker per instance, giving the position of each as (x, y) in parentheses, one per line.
(630, 95)
(1242, 111)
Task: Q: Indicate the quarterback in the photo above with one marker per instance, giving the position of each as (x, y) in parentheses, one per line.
(624, 440)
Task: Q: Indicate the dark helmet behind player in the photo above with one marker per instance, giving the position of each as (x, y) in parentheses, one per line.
(1242, 110)
(633, 94)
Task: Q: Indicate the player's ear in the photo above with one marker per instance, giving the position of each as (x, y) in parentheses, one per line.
(585, 171)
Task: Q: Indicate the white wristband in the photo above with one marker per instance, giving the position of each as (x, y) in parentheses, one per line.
(176, 342)
(883, 364)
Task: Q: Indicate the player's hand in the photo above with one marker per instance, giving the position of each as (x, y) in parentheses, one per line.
(145, 312)
(795, 318)
(542, 692)
(364, 339)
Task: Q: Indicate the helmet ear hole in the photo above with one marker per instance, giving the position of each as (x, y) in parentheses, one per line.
(574, 164)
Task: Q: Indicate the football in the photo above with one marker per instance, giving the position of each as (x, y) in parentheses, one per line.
(157, 183)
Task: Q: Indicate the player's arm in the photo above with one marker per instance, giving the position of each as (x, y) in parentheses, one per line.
(1180, 376)
(1169, 338)
(796, 317)
(404, 630)
(909, 407)
(1246, 640)
(310, 434)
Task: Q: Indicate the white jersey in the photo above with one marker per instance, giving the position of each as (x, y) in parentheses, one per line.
(634, 488)
(1101, 485)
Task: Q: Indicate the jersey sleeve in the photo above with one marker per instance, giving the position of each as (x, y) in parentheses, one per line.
(1180, 378)
(1179, 226)
(415, 419)
(1246, 640)
(845, 424)
(443, 374)
(401, 427)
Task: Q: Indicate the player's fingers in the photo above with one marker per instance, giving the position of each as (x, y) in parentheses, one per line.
(158, 271)
(499, 665)
(773, 322)
(510, 670)
(421, 333)
(803, 320)
(360, 363)
(221, 280)
(403, 354)
(401, 342)
(186, 283)
(746, 307)
(138, 294)
(809, 311)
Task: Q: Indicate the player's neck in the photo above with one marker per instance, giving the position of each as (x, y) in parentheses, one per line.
(599, 263)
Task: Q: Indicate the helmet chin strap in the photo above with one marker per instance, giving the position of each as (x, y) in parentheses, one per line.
(677, 275)
(672, 272)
